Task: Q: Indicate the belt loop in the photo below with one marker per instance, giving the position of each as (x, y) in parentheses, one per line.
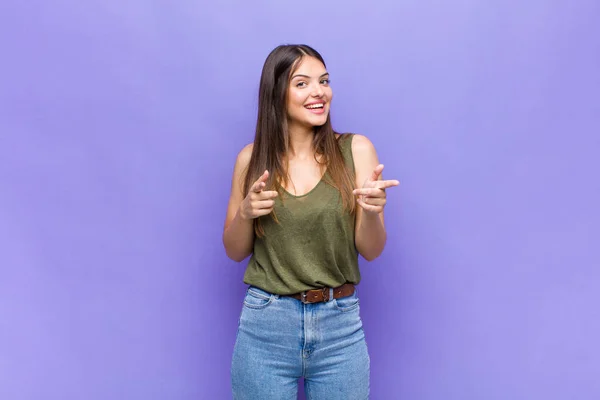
(330, 294)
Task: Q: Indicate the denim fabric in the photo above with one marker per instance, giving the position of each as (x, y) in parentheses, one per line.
(279, 340)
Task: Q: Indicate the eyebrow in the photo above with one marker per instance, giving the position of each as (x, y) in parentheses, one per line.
(306, 76)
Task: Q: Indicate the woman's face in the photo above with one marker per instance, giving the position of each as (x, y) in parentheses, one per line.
(309, 95)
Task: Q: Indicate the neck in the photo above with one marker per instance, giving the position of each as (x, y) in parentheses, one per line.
(301, 141)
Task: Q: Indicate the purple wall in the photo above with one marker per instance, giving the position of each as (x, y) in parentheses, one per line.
(119, 126)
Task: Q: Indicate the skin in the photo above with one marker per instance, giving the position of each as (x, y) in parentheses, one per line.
(308, 84)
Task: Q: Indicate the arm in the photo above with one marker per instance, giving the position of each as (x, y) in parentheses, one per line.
(238, 233)
(370, 235)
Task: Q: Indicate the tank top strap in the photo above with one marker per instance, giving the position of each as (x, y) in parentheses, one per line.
(345, 141)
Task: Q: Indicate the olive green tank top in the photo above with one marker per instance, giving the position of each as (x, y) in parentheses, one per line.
(312, 246)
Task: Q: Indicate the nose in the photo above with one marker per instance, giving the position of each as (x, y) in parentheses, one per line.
(317, 91)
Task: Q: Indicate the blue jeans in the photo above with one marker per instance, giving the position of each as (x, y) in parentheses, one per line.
(280, 339)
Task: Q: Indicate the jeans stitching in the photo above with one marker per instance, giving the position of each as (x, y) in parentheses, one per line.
(258, 296)
(254, 293)
(258, 306)
(348, 308)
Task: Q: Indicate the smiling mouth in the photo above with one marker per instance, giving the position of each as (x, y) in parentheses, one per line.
(315, 106)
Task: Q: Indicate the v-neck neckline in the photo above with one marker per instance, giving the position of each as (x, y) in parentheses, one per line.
(337, 138)
(310, 191)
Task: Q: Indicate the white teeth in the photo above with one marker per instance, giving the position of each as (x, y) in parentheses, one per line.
(315, 106)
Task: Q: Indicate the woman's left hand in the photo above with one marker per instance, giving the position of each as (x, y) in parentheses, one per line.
(372, 196)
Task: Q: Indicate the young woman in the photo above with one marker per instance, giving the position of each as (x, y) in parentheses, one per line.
(304, 202)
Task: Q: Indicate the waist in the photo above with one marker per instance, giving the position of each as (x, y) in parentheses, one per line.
(324, 294)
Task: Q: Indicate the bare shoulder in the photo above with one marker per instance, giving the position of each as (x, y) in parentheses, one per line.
(243, 157)
(239, 170)
(365, 157)
(362, 148)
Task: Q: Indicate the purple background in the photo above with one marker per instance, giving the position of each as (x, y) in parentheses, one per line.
(119, 126)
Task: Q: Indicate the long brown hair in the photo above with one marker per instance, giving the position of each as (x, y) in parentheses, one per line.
(271, 141)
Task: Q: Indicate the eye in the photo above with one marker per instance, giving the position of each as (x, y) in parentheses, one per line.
(301, 84)
(325, 81)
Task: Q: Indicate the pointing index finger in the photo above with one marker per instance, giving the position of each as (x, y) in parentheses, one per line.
(376, 172)
(260, 182)
(386, 184)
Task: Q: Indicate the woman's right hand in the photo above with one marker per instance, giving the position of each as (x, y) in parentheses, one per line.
(258, 202)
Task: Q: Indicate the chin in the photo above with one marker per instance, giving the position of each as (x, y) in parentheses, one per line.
(318, 121)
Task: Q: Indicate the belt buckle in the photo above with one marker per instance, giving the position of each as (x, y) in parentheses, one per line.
(303, 297)
(325, 291)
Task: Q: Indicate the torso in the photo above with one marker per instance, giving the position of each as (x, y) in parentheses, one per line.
(305, 175)
(310, 244)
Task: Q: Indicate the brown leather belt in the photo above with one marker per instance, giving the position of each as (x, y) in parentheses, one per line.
(321, 295)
